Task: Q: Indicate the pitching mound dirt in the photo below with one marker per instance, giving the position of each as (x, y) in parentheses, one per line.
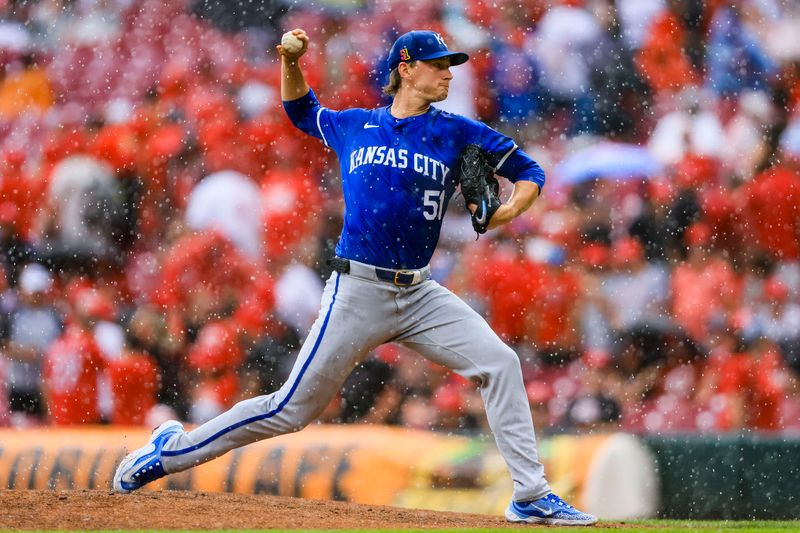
(92, 509)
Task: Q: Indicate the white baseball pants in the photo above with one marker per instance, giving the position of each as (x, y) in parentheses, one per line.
(358, 314)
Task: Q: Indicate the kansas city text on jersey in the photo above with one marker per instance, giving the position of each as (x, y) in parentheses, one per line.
(388, 156)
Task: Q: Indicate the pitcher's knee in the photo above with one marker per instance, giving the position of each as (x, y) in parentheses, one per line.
(295, 417)
(506, 362)
(276, 419)
(491, 363)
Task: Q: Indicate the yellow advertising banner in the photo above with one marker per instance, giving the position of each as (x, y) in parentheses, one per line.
(368, 464)
(357, 463)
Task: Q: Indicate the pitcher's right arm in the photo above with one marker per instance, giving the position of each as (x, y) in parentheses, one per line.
(293, 83)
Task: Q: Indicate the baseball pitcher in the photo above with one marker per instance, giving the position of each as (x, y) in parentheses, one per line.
(400, 166)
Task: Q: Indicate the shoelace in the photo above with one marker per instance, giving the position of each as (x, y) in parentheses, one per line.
(555, 499)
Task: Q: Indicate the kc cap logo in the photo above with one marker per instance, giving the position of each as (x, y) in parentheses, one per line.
(422, 45)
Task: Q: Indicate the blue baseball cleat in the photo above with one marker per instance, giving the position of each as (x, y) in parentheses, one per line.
(142, 466)
(550, 510)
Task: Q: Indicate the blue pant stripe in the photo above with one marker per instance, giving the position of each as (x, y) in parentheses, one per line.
(283, 402)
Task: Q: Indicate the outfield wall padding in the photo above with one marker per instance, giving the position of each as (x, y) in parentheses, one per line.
(729, 477)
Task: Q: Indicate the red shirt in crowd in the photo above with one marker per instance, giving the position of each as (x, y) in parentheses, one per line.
(552, 321)
(662, 59)
(216, 355)
(752, 382)
(772, 207)
(71, 368)
(701, 294)
(508, 284)
(134, 382)
(202, 263)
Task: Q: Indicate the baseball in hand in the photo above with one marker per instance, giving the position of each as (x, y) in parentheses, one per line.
(291, 43)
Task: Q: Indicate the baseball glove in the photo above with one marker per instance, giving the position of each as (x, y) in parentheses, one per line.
(478, 185)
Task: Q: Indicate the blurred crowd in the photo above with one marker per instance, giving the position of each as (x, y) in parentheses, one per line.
(164, 229)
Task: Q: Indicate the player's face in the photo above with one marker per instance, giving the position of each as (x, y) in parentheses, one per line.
(431, 79)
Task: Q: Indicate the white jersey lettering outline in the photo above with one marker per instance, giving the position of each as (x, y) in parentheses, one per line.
(399, 158)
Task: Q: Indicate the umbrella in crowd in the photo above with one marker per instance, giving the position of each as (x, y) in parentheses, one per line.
(607, 160)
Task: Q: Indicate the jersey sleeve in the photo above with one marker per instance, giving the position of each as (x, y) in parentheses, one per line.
(311, 117)
(511, 162)
(519, 166)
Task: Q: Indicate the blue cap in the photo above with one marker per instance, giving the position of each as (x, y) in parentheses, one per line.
(422, 45)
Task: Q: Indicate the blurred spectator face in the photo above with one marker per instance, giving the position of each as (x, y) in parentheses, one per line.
(660, 192)
(594, 255)
(698, 236)
(627, 253)
(593, 412)
(539, 395)
(775, 292)
(93, 306)
(695, 171)
(594, 376)
(756, 104)
(159, 414)
(216, 349)
(449, 404)
(417, 413)
(8, 217)
(255, 98)
(629, 361)
(145, 326)
(34, 282)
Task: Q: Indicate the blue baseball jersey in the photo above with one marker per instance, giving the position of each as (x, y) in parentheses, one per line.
(398, 175)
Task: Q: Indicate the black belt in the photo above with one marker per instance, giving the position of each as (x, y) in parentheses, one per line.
(402, 278)
(340, 265)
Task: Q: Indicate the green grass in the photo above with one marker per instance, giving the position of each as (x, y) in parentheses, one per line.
(665, 526)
